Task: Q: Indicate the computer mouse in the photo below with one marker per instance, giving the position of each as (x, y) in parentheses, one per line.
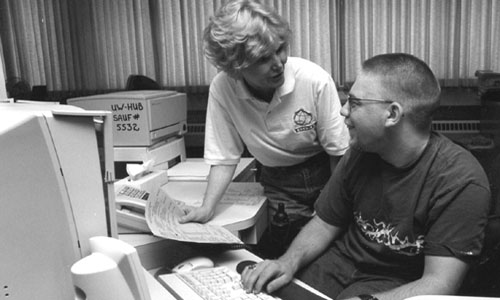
(243, 264)
(194, 263)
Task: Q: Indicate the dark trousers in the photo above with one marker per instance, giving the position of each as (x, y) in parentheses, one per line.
(297, 187)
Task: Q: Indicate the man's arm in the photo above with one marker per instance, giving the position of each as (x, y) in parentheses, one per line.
(442, 275)
(219, 178)
(311, 241)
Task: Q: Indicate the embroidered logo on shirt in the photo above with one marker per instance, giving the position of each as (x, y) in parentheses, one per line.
(303, 121)
(383, 233)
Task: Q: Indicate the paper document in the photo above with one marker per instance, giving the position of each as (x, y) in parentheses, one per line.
(238, 193)
(189, 170)
(162, 216)
(243, 193)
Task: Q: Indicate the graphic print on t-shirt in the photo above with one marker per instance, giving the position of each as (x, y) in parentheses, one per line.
(386, 234)
(303, 121)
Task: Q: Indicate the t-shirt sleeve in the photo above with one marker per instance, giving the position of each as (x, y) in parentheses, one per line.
(223, 144)
(332, 131)
(332, 205)
(457, 226)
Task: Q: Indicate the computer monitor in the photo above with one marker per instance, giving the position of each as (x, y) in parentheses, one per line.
(113, 272)
(141, 82)
(56, 186)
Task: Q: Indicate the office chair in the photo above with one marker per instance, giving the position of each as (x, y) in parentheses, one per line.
(483, 279)
(141, 82)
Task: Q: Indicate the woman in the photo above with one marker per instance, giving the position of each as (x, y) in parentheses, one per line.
(285, 110)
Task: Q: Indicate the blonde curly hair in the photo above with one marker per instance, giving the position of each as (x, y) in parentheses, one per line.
(241, 33)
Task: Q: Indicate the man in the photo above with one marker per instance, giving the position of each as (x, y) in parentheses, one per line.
(285, 110)
(404, 212)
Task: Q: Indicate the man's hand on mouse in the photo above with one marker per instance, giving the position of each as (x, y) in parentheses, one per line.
(266, 276)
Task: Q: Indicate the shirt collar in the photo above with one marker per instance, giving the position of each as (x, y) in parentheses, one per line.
(287, 87)
(289, 83)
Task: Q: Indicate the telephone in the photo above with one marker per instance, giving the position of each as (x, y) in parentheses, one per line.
(130, 208)
(113, 272)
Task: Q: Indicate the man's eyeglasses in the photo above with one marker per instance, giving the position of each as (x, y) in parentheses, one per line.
(353, 101)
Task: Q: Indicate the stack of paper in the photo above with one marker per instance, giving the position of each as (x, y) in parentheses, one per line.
(189, 171)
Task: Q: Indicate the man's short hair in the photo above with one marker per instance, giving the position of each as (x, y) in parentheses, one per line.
(408, 81)
(242, 32)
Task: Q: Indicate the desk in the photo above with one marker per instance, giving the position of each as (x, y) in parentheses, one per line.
(172, 253)
(443, 297)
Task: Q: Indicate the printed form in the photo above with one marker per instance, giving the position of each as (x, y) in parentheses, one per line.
(162, 216)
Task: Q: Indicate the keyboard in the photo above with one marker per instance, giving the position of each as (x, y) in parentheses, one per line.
(218, 283)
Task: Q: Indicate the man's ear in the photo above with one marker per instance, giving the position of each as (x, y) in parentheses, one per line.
(395, 113)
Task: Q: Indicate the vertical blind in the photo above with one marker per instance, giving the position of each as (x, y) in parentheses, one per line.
(96, 44)
(455, 37)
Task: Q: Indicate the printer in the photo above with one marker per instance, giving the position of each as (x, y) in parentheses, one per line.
(148, 129)
(140, 118)
(147, 124)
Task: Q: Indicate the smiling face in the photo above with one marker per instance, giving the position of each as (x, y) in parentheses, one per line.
(366, 119)
(267, 74)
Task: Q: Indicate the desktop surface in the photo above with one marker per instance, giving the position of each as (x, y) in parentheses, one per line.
(447, 297)
(155, 252)
(224, 279)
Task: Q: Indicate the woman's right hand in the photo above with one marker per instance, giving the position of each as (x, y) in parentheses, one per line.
(196, 214)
